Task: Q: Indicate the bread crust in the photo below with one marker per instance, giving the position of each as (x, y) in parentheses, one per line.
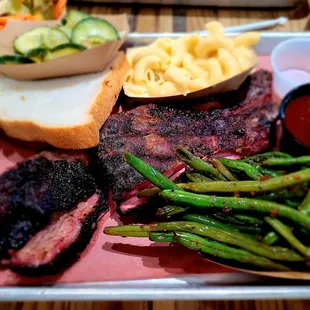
(79, 136)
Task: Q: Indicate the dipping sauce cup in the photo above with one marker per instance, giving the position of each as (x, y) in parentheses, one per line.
(291, 66)
(295, 118)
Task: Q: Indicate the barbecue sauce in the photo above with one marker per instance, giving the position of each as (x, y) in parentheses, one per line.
(297, 119)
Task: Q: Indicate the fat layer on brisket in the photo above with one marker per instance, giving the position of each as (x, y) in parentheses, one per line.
(241, 126)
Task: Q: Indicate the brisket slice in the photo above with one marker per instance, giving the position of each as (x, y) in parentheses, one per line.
(241, 126)
(56, 246)
(36, 189)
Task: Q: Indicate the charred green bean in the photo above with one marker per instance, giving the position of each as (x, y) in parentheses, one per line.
(161, 237)
(303, 160)
(305, 205)
(209, 221)
(253, 205)
(265, 156)
(240, 166)
(198, 164)
(197, 177)
(271, 238)
(269, 172)
(277, 253)
(239, 219)
(272, 184)
(149, 172)
(287, 234)
(169, 211)
(217, 249)
(248, 219)
(222, 169)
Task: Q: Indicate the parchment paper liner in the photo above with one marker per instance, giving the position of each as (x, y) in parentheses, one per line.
(230, 84)
(91, 60)
(98, 264)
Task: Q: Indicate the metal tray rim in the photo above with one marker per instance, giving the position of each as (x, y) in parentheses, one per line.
(234, 286)
(188, 292)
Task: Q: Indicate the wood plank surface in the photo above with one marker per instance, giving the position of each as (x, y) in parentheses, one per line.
(161, 305)
(167, 19)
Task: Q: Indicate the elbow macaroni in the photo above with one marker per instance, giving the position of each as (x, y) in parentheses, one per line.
(172, 67)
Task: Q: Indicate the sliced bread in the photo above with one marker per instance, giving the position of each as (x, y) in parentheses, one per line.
(64, 112)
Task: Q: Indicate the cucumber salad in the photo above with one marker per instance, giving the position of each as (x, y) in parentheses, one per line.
(79, 31)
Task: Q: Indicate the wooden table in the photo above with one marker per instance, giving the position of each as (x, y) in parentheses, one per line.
(150, 19)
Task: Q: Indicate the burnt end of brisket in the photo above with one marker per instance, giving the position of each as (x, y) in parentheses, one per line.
(59, 244)
(33, 191)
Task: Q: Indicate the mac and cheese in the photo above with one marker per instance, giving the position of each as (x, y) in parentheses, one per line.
(171, 67)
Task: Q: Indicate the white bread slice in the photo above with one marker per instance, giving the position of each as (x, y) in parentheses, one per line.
(64, 112)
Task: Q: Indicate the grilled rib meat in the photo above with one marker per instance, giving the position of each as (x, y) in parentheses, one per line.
(241, 126)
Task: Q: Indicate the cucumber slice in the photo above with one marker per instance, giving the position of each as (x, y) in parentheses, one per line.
(14, 60)
(94, 41)
(73, 17)
(30, 40)
(87, 29)
(64, 50)
(37, 54)
(67, 31)
(53, 38)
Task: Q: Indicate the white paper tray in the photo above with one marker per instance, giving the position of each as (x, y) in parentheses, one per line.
(231, 286)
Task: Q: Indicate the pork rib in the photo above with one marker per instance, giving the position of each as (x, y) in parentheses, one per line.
(241, 126)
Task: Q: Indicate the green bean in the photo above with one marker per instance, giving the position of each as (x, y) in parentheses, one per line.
(277, 253)
(286, 233)
(155, 191)
(149, 172)
(204, 219)
(293, 192)
(254, 205)
(196, 177)
(149, 193)
(161, 237)
(217, 249)
(303, 160)
(222, 169)
(297, 192)
(250, 186)
(271, 238)
(269, 172)
(198, 164)
(240, 166)
(239, 219)
(168, 211)
(266, 155)
(292, 203)
(249, 219)
(305, 205)
(264, 171)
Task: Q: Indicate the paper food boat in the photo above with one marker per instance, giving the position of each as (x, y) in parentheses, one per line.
(88, 61)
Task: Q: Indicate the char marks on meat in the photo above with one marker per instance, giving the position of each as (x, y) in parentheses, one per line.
(241, 126)
(49, 186)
